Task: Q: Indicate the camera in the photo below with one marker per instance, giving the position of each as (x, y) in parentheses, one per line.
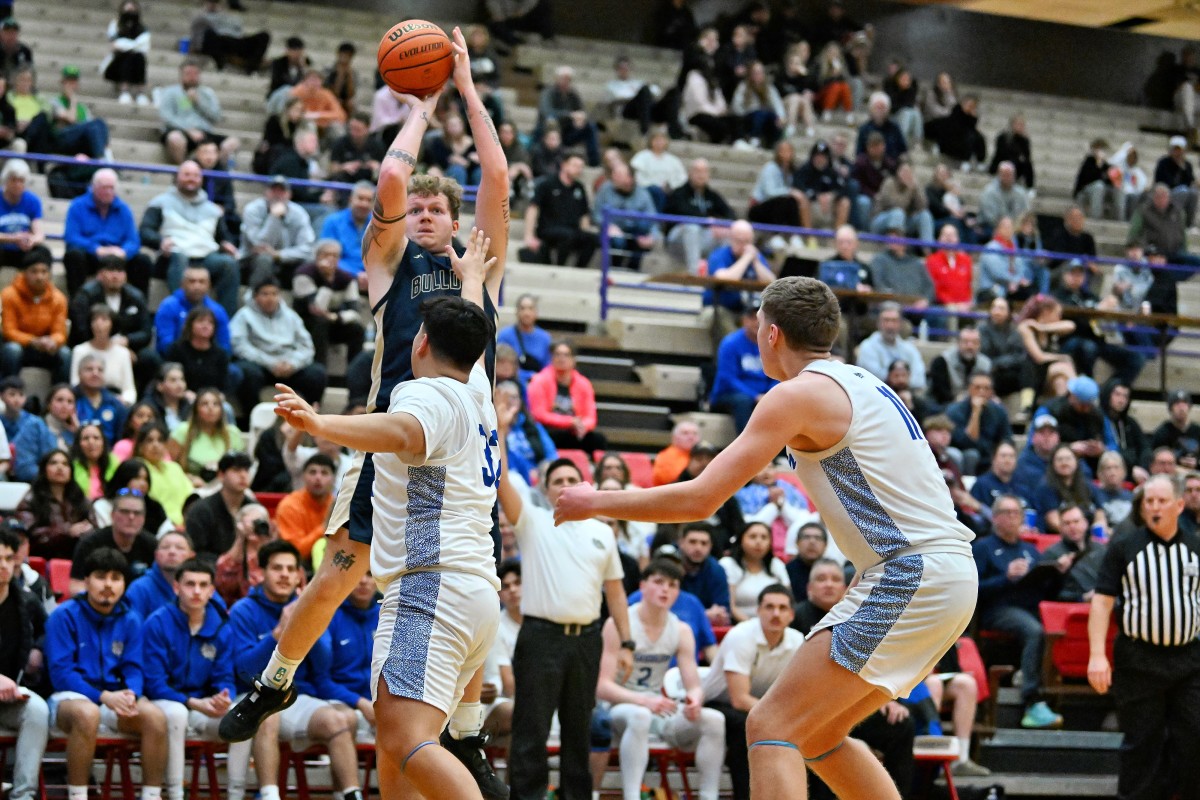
(262, 528)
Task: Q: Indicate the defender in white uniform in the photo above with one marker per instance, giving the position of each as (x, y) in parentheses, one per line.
(867, 464)
(437, 462)
(640, 709)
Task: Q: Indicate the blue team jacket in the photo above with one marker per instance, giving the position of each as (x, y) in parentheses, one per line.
(90, 653)
(352, 633)
(180, 665)
(150, 592)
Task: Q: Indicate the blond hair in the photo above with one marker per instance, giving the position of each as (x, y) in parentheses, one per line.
(433, 185)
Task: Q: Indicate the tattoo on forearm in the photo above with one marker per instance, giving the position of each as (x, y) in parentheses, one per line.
(404, 156)
(343, 560)
(504, 211)
(487, 119)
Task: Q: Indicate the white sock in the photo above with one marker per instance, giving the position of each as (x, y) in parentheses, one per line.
(964, 748)
(278, 673)
(77, 792)
(151, 793)
(268, 793)
(466, 721)
(174, 793)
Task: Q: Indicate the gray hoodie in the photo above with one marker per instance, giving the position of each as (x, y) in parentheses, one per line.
(292, 235)
(267, 340)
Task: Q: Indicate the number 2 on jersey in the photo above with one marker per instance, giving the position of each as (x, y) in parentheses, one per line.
(914, 430)
(491, 473)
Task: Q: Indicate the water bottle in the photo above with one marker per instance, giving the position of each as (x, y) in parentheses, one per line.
(1098, 534)
(1031, 518)
(923, 330)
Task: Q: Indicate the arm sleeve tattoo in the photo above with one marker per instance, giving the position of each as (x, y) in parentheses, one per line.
(379, 215)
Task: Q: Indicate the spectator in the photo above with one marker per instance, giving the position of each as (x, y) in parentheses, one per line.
(237, 568)
(939, 432)
(1122, 432)
(341, 79)
(1175, 172)
(943, 196)
(1002, 197)
(1159, 224)
(301, 514)
(703, 103)
(15, 55)
(530, 341)
(271, 344)
(131, 476)
(1191, 502)
(811, 544)
(97, 684)
(92, 465)
(290, 68)
(980, 424)
(998, 480)
(348, 226)
(751, 567)
(352, 632)
(884, 346)
(635, 99)
(202, 363)
(563, 400)
(546, 154)
(356, 155)
(278, 132)
(952, 369)
(1001, 342)
(20, 214)
(34, 320)
(33, 123)
(1093, 184)
(277, 235)
(894, 270)
(951, 271)
(1034, 460)
(1116, 500)
(125, 65)
(629, 237)
(751, 657)
(188, 230)
(939, 101)
(671, 461)
(94, 402)
(1087, 344)
(1080, 423)
(902, 92)
(189, 112)
(529, 445)
(55, 511)
(210, 520)
(313, 716)
(1065, 482)
(507, 18)
(760, 107)
(558, 222)
(1163, 461)
(1133, 181)
(220, 36)
(520, 165)
(170, 485)
(734, 57)
(675, 25)
(739, 382)
(127, 535)
(957, 136)
(12, 397)
(1177, 431)
(826, 585)
(693, 241)
(561, 102)
(878, 109)
(99, 227)
(1009, 604)
(169, 396)
(73, 128)
(198, 444)
(834, 79)
(1012, 146)
(703, 576)
(825, 188)
(1131, 285)
(901, 205)
(872, 167)
(21, 709)
(219, 190)
(727, 521)
(777, 201)
(116, 358)
(1042, 328)
(321, 106)
(39, 435)
(327, 301)
(738, 260)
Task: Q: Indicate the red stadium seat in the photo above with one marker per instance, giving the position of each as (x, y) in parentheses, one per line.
(581, 460)
(1042, 541)
(641, 469)
(1068, 650)
(269, 500)
(59, 572)
(39, 564)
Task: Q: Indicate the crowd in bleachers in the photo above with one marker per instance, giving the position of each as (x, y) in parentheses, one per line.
(150, 474)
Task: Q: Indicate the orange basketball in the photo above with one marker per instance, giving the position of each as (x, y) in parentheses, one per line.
(415, 57)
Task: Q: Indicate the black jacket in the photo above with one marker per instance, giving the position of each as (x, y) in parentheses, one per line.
(687, 202)
(133, 321)
(32, 619)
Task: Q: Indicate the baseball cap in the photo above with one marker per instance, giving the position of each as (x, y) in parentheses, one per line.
(1179, 396)
(669, 551)
(1177, 141)
(1084, 389)
(70, 73)
(10, 24)
(820, 146)
(14, 525)
(1075, 263)
(1045, 421)
(705, 449)
(280, 180)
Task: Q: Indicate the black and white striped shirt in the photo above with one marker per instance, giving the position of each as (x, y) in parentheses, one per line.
(1157, 585)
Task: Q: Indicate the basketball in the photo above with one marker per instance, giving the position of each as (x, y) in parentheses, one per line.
(415, 57)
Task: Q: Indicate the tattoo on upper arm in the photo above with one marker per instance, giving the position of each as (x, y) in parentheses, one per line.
(504, 211)
(343, 560)
(380, 215)
(403, 155)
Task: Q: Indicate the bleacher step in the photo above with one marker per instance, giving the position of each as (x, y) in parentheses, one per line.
(1025, 784)
(633, 415)
(1052, 752)
(605, 367)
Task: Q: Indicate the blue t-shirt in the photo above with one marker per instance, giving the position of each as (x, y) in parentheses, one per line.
(733, 299)
(535, 344)
(340, 226)
(19, 216)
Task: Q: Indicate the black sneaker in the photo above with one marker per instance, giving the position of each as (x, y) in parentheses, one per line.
(470, 752)
(241, 722)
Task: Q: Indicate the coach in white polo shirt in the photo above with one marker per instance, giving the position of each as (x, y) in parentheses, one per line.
(751, 656)
(556, 662)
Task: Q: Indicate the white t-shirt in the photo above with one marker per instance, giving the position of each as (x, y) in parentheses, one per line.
(747, 585)
(658, 170)
(506, 640)
(563, 568)
(433, 510)
(744, 650)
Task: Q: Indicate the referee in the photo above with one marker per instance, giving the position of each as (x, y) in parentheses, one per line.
(1155, 675)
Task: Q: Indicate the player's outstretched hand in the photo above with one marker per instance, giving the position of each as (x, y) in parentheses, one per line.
(419, 104)
(295, 410)
(462, 61)
(575, 504)
(507, 408)
(474, 263)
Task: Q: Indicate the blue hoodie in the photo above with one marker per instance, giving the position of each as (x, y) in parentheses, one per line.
(34, 441)
(182, 665)
(13, 425)
(90, 653)
(739, 368)
(352, 633)
(173, 310)
(87, 230)
(150, 592)
(251, 621)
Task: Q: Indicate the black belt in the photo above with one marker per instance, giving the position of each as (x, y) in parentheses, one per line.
(567, 628)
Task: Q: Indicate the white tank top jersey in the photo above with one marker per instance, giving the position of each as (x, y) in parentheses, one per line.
(433, 511)
(651, 659)
(879, 490)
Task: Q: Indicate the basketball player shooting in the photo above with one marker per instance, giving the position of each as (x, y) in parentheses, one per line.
(403, 257)
(863, 457)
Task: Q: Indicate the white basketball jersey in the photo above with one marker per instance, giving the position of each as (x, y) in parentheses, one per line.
(651, 659)
(433, 511)
(879, 490)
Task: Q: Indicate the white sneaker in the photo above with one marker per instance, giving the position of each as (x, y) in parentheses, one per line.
(125, 99)
(810, 131)
(826, 116)
(742, 144)
(850, 119)
(777, 244)
(755, 142)
(142, 100)
(789, 131)
(796, 245)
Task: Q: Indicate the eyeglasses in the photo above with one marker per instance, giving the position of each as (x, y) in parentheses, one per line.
(129, 512)
(128, 492)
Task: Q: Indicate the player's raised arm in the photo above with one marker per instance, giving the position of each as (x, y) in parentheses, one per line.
(472, 268)
(376, 433)
(385, 238)
(491, 201)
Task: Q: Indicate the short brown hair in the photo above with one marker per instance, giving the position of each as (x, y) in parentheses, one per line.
(433, 185)
(805, 311)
